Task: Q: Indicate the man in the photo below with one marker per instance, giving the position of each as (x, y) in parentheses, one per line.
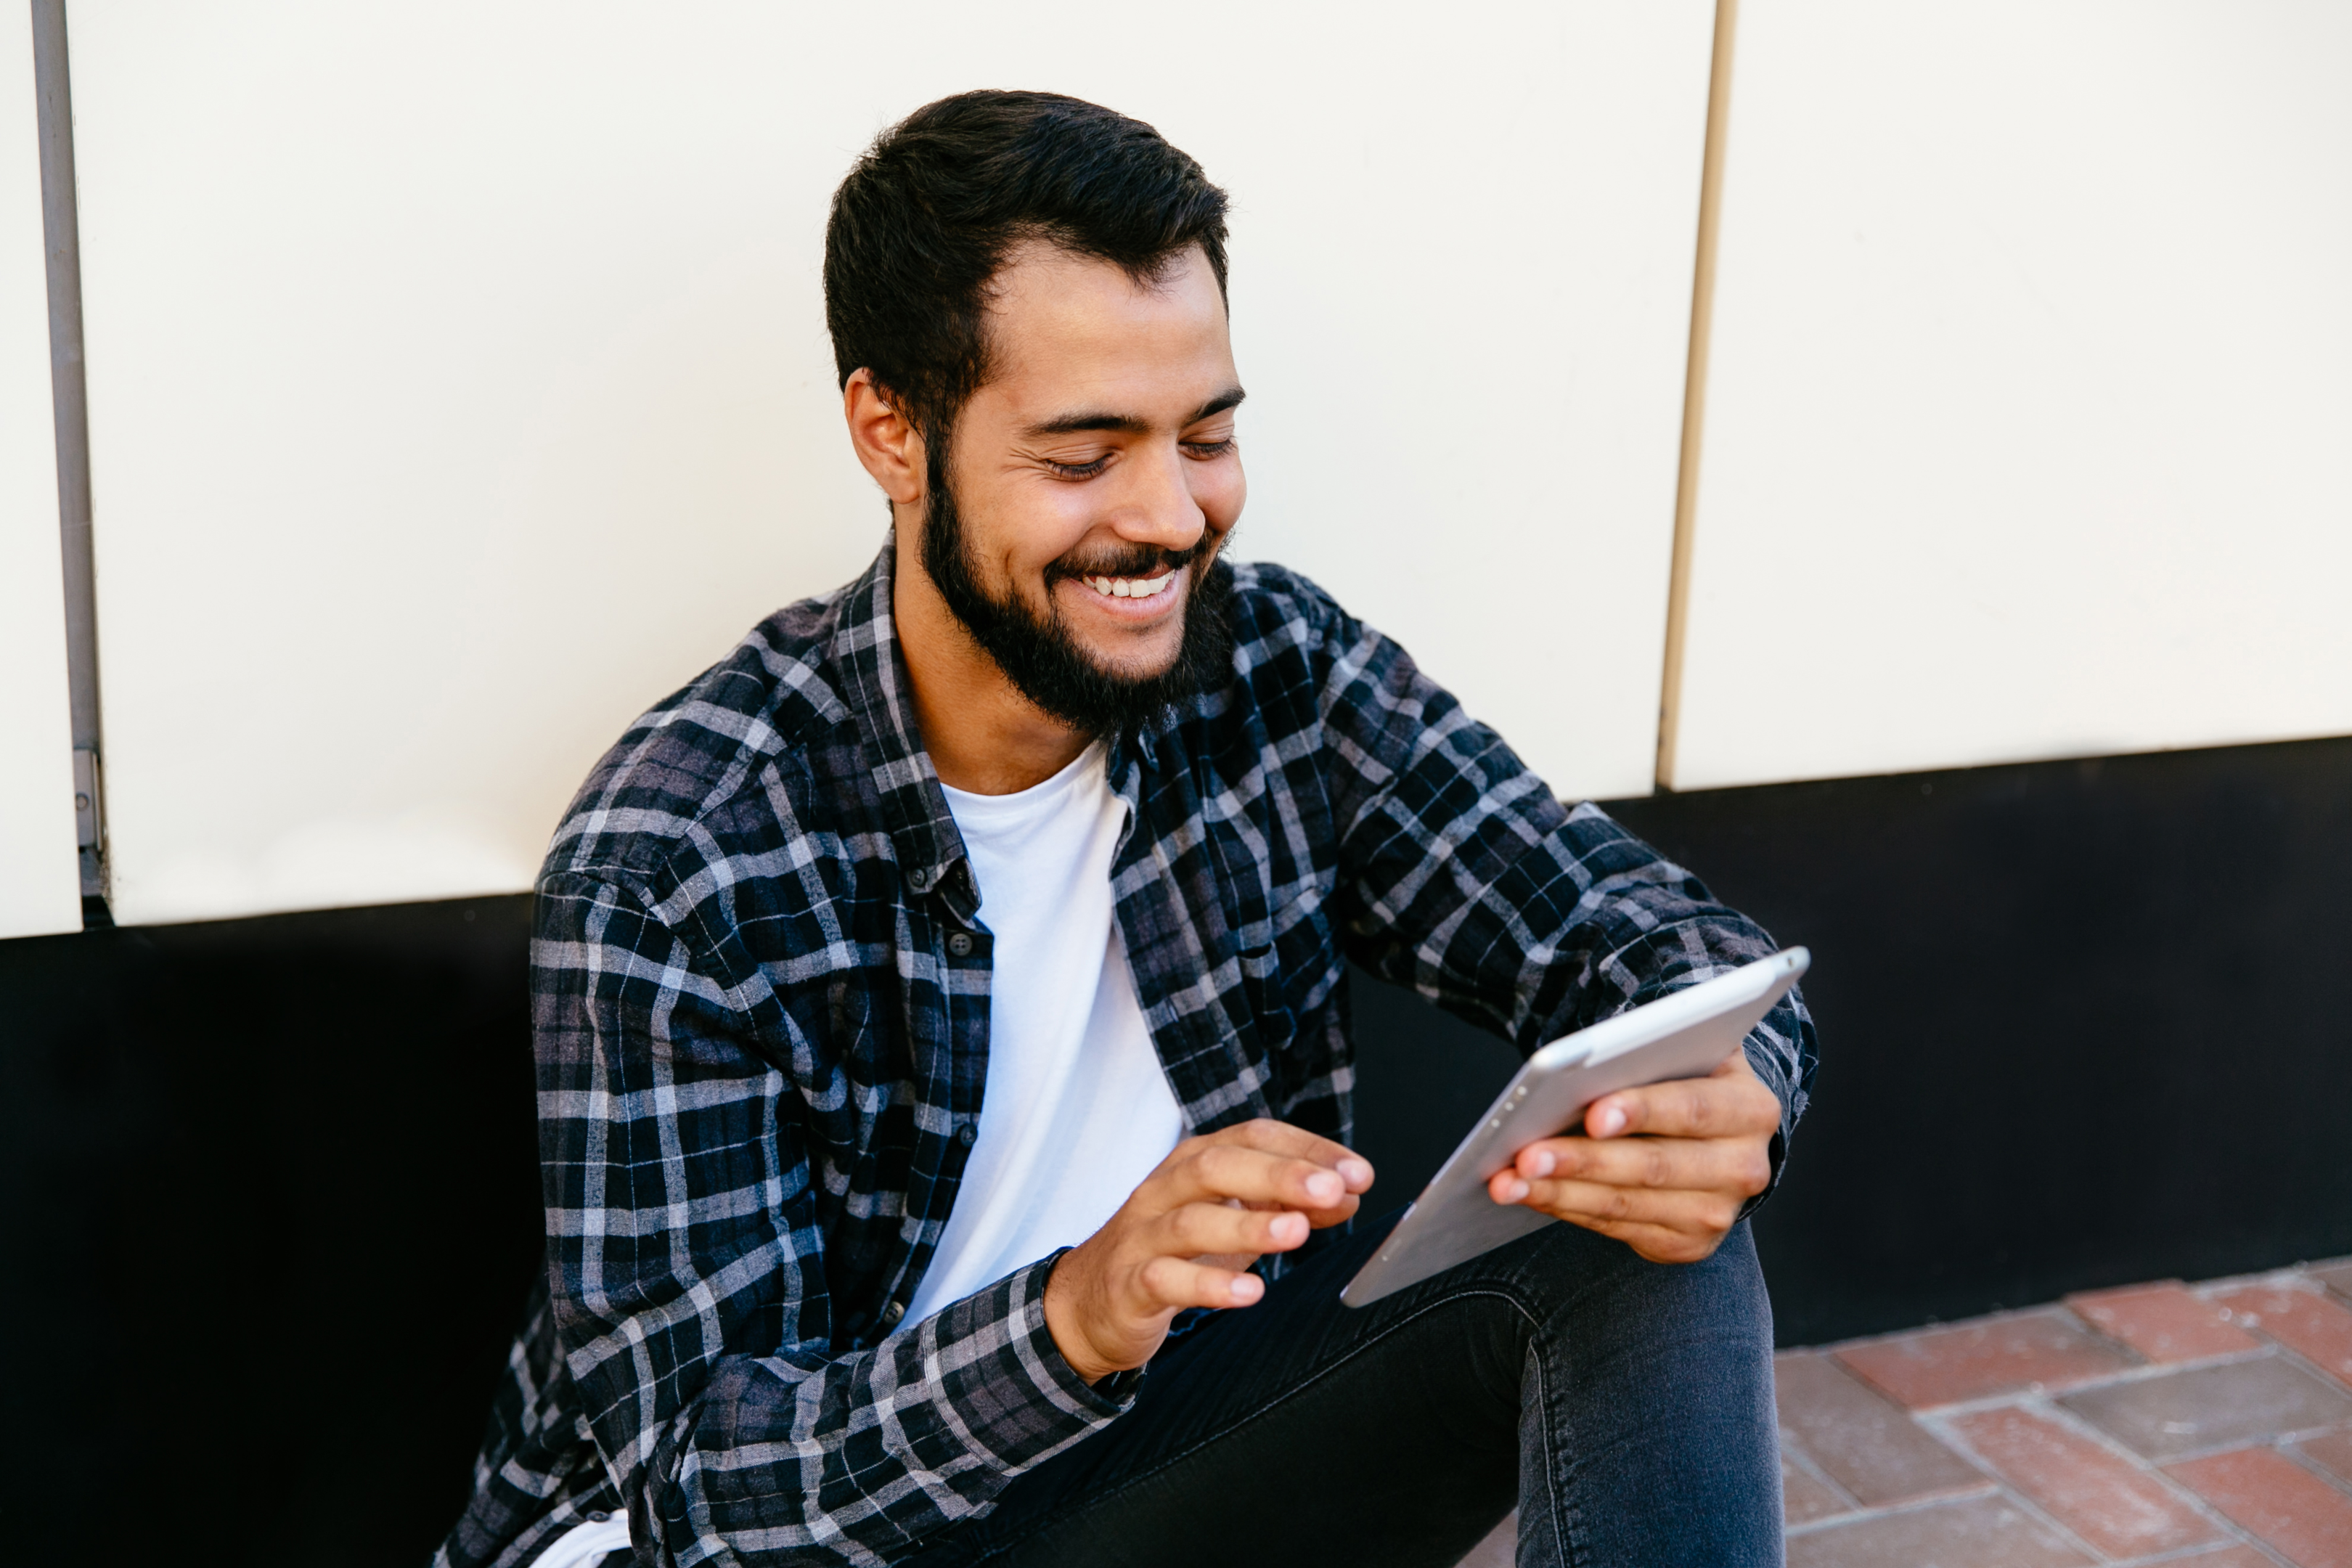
(942, 1019)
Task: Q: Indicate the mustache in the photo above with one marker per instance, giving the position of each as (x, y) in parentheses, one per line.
(1141, 561)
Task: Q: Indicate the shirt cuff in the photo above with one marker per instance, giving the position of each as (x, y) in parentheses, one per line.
(1010, 1384)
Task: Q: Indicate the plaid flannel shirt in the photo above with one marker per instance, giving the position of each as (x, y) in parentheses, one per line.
(761, 1000)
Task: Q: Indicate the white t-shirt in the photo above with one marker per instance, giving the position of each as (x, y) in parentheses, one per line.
(1077, 1111)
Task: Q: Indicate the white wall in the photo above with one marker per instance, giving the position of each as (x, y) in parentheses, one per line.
(2029, 424)
(40, 874)
(458, 381)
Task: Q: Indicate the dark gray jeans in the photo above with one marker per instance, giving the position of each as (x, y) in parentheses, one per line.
(1625, 1407)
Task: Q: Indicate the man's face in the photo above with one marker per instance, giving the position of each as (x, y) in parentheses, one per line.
(1090, 484)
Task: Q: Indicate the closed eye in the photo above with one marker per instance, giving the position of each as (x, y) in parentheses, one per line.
(1205, 451)
(1080, 470)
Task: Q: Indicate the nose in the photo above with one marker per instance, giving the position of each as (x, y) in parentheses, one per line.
(1156, 506)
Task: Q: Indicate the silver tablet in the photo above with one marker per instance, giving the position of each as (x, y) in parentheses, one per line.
(1684, 1034)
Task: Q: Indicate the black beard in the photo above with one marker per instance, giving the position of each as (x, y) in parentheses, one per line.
(1041, 658)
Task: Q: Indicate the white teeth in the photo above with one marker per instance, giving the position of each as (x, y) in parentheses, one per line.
(1130, 587)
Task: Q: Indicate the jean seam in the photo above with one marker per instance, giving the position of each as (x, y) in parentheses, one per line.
(1550, 1455)
(1174, 1459)
(1567, 1518)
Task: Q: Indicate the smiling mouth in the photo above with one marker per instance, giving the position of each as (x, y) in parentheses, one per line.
(1130, 587)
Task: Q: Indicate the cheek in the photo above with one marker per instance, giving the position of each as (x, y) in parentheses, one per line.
(1056, 518)
(1024, 527)
(1219, 489)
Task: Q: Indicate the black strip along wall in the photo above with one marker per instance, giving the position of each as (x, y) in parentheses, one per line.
(270, 1200)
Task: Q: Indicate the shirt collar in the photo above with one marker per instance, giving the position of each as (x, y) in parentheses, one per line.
(873, 681)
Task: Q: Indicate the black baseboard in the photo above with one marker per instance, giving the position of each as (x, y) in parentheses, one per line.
(270, 1203)
(2083, 1023)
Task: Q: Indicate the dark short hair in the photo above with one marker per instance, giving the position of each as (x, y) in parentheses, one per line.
(925, 218)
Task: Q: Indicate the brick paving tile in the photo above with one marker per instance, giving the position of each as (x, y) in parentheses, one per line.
(1937, 1366)
(2310, 1323)
(1868, 1446)
(2163, 1322)
(1976, 1533)
(1804, 1500)
(2331, 1453)
(2119, 1508)
(2227, 1557)
(2336, 1276)
(1500, 1546)
(2206, 1407)
(2269, 1495)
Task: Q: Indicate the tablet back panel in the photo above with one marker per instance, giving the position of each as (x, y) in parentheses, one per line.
(1686, 1034)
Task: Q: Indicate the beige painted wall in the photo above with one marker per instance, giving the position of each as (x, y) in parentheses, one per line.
(40, 875)
(2029, 419)
(459, 380)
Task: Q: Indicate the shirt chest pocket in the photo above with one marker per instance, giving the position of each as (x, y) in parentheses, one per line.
(1280, 932)
(844, 1065)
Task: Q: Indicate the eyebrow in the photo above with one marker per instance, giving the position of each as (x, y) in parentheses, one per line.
(1130, 423)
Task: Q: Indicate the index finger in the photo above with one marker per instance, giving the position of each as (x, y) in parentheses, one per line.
(1230, 1171)
(1273, 1137)
(1730, 1102)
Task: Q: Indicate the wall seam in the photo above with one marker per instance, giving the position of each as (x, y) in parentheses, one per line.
(69, 387)
(1710, 199)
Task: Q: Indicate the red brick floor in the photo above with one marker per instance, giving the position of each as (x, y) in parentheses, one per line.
(2208, 1425)
(2205, 1425)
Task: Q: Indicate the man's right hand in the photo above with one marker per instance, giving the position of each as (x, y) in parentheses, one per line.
(1187, 1237)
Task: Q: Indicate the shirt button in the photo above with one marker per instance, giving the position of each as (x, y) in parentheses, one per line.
(892, 1313)
(967, 1135)
(598, 1515)
(919, 879)
(961, 944)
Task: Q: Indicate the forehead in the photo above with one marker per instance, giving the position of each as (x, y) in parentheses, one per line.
(1064, 326)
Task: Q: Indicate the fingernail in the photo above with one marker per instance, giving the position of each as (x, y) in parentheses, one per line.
(1325, 1187)
(1244, 1288)
(1289, 1229)
(1541, 1163)
(1356, 1173)
(1515, 1191)
(1609, 1122)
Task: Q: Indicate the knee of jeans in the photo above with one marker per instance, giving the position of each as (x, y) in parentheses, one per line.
(1573, 1270)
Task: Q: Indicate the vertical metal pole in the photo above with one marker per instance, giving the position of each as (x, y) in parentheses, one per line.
(61, 226)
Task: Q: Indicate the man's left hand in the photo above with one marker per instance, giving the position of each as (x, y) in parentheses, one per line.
(1663, 1169)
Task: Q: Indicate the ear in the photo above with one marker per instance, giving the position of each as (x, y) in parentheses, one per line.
(890, 448)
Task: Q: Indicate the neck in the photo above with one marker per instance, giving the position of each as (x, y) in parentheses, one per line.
(983, 735)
